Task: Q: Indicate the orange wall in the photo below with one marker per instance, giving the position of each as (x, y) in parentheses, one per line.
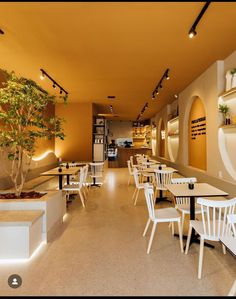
(43, 144)
(197, 147)
(78, 130)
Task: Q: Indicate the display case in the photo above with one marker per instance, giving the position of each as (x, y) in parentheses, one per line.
(99, 139)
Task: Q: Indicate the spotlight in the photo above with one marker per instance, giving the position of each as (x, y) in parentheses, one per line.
(160, 86)
(176, 96)
(60, 91)
(192, 32)
(54, 85)
(1, 31)
(42, 76)
(153, 97)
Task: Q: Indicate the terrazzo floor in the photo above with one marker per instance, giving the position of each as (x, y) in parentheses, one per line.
(100, 251)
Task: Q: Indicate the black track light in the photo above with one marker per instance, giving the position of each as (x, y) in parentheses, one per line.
(1, 31)
(192, 32)
(55, 84)
(159, 85)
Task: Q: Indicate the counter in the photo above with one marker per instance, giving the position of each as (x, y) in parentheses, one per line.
(125, 153)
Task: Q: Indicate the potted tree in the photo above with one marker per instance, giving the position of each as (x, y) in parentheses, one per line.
(22, 121)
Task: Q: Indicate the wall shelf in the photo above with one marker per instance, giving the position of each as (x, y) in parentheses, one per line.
(228, 126)
(228, 92)
(173, 120)
(173, 135)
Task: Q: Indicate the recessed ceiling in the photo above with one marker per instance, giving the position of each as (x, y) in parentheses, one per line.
(96, 49)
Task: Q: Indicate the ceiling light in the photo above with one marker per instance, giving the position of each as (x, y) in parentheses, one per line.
(1, 31)
(176, 96)
(153, 96)
(192, 32)
(159, 85)
(42, 76)
(55, 84)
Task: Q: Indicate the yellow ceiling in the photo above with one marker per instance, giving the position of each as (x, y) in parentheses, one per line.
(97, 49)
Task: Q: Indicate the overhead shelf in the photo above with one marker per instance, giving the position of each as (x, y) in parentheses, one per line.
(228, 92)
(228, 126)
(173, 120)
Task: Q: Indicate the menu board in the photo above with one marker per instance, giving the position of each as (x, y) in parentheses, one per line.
(198, 127)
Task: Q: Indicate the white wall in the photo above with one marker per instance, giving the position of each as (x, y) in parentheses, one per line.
(207, 86)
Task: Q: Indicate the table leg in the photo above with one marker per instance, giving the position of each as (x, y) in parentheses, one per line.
(60, 181)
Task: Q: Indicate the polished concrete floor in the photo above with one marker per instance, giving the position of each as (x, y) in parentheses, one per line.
(100, 251)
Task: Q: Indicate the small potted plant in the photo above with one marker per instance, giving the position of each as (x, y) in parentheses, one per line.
(224, 109)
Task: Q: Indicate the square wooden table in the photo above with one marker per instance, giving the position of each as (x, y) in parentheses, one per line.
(65, 171)
(200, 190)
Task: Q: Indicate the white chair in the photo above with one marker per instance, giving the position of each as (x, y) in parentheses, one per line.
(159, 216)
(86, 167)
(132, 162)
(130, 170)
(138, 185)
(213, 227)
(96, 172)
(232, 229)
(162, 178)
(76, 186)
(183, 203)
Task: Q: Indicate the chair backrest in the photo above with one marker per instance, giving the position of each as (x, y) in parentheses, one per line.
(130, 167)
(131, 161)
(96, 169)
(81, 176)
(214, 216)
(183, 200)
(86, 167)
(232, 223)
(163, 177)
(136, 175)
(149, 196)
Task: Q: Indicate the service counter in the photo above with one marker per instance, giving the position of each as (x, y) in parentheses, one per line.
(125, 153)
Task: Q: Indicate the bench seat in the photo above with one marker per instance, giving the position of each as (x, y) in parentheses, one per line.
(31, 184)
(20, 233)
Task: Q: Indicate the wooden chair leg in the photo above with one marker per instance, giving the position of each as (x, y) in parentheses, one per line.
(188, 240)
(136, 198)
(81, 198)
(200, 259)
(232, 291)
(151, 237)
(180, 237)
(146, 227)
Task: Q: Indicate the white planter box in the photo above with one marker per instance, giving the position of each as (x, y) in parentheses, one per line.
(20, 233)
(53, 204)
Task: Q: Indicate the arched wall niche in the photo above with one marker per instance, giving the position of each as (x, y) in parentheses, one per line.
(161, 138)
(197, 151)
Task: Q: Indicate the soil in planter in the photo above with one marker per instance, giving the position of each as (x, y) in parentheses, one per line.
(24, 195)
